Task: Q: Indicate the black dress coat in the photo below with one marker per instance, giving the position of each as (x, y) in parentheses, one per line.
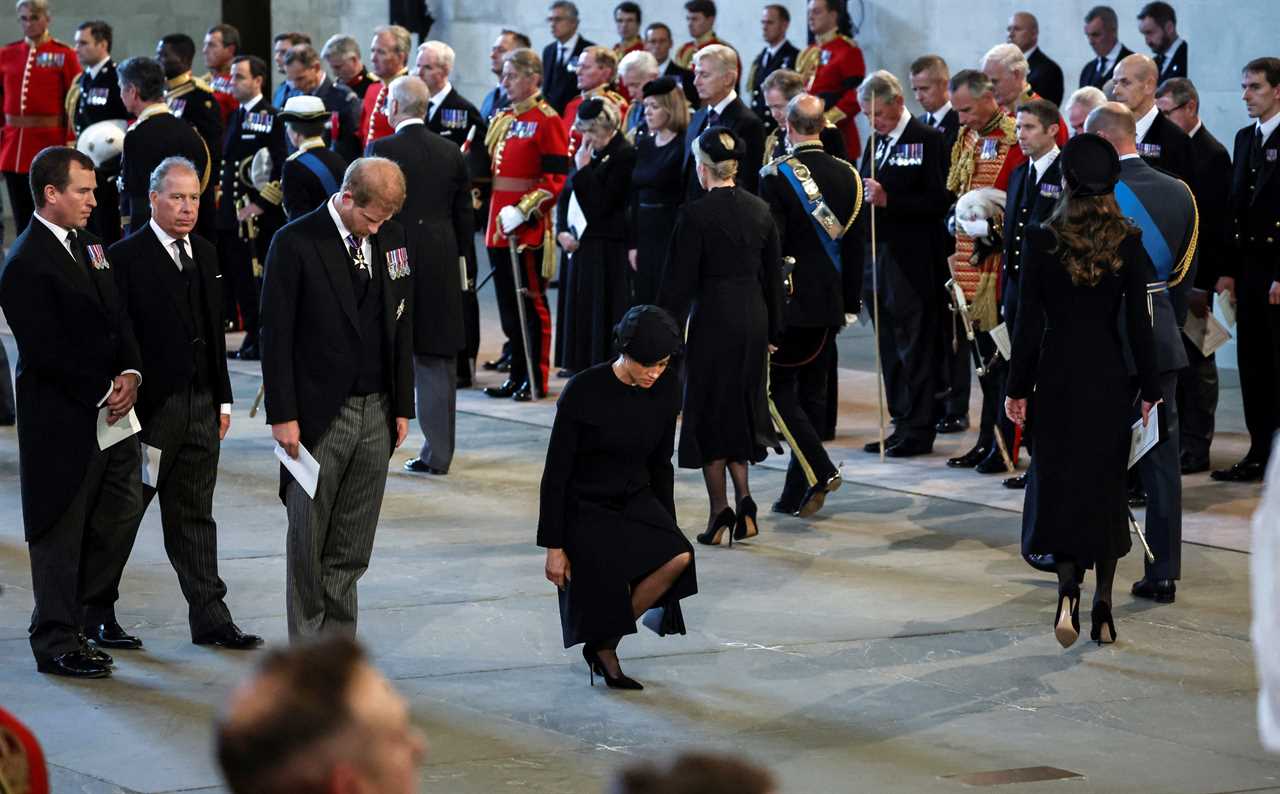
(74, 337)
(1090, 75)
(1212, 187)
(723, 271)
(657, 191)
(1175, 65)
(1069, 360)
(1024, 209)
(607, 499)
(559, 81)
(437, 219)
(145, 145)
(341, 101)
(597, 282)
(1045, 76)
(1168, 148)
(760, 69)
(154, 294)
(747, 126)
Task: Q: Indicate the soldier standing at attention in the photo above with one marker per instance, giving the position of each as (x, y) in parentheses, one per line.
(95, 97)
(835, 69)
(192, 101)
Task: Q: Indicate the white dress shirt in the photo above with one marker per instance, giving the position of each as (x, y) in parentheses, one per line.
(403, 124)
(366, 248)
(1044, 162)
(1144, 124)
(939, 114)
(1268, 126)
(437, 99)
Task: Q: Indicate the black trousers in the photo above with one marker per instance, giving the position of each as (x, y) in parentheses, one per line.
(20, 199)
(798, 403)
(466, 365)
(1161, 473)
(236, 258)
(8, 408)
(955, 366)
(532, 290)
(76, 564)
(185, 430)
(1197, 403)
(1258, 353)
(908, 340)
(997, 381)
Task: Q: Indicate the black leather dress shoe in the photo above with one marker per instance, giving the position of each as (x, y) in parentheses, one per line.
(1137, 497)
(95, 653)
(565, 373)
(508, 388)
(786, 506)
(1162, 591)
(463, 384)
(953, 424)
(110, 635)
(1016, 483)
(74, 664)
(971, 458)
(993, 463)
(908, 448)
(1244, 471)
(523, 394)
(816, 496)
(500, 364)
(873, 447)
(229, 636)
(420, 466)
(1194, 466)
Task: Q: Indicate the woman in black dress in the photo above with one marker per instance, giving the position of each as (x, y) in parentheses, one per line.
(657, 184)
(1082, 269)
(597, 282)
(724, 262)
(607, 516)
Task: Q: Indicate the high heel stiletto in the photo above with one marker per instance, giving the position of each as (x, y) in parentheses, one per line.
(724, 521)
(1066, 622)
(596, 667)
(1103, 630)
(746, 526)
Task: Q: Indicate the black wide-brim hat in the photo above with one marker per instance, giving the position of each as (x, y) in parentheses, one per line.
(1090, 165)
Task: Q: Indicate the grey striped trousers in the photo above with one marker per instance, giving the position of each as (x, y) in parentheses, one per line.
(331, 537)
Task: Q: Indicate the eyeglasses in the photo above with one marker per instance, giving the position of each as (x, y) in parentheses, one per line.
(1171, 110)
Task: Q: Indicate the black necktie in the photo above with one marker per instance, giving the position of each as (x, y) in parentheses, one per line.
(1160, 58)
(77, 251)
(1255, 151)
(184, 259)
(1102, 66)
(713, 119)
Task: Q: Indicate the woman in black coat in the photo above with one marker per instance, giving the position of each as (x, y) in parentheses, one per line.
(607, 515)
(657, 185)
(724, 269)
(597, 281)
(1081, 270)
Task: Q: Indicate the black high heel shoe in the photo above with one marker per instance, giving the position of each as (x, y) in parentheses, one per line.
(596, 667)
(1066, 621)
(724, 521)
(1103, 630)
(746, 526)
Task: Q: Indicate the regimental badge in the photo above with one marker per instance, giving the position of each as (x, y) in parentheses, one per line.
(907, 154)
(222, 84)
(522, 129)
(51, 59)
(258, 122)
(1149, 149)
(1271, 155)
(1050, 190)
(176, 106)
(398, 263)
(990, 149)
(453, 118)
(97, 257)
(96, 97)
(400, 309)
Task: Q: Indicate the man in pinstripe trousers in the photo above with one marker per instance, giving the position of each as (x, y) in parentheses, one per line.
(337, 367)
(169, 282)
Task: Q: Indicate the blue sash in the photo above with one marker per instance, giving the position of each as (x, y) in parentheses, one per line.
(832, 247)
(1152, 239)
(315, 166)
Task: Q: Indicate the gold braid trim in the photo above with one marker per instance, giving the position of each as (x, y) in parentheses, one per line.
(807, 63)
(1180, 272)
(857, 197)
(530, 203)
(965, 151)
(770, 144)
(498, 132)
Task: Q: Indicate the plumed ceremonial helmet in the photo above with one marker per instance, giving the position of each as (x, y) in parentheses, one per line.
(102, 141)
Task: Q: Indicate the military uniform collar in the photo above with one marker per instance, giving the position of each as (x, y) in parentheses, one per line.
(624, 44)
(529, 104)
(307, 145)
(814, 144)
(993, 124)
(705, 38)
(96, 69)
(248, 107)
(44, 39)
(824, 38)
(155, 109)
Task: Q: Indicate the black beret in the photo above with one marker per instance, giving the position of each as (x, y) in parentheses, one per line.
(1090, 165)
(590, 108)
(660, 86)
(647, 334)
(720, 144)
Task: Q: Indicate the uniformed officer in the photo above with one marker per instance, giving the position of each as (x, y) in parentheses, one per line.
(313, 172)
(37, 72)
(390, 54)
(529, 152)
(342, 53)
(626, 19)
(597, 68)
(778, 53)
(95, 97)
(779, 89)
(192, 101)
(700, 15)
(835, 68)
(250, 212)
(221, 46)
(814, 198)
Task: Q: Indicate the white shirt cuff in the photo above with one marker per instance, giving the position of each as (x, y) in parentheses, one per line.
(225, 409)
(112, 386)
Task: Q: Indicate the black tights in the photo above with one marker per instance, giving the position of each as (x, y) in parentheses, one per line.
(717, 488)
(1071, 575)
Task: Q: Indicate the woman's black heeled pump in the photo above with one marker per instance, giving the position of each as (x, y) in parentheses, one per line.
(724, 521)
(746, 526)
(1103, 630)
(1066, 621)
(596, 667)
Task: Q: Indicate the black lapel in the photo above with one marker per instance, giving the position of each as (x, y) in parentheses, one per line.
(337, 263)
(1268, 165)
(173, 279)
(390, 304)
(77, 273)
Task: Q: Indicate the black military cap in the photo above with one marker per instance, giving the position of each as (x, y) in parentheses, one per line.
(719, 144)
(660, 86)
(1090, 165)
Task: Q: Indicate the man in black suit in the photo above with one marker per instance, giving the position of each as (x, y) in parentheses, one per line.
(715, 68)
(1252, 275)
(304, 72)
(658, 43)
(1161, 143)
(1164, 209)
(249, 211)
(337, 370)
(824, 286)
(172, 292)
(155, 135)
(78, 367)
(192, 101)
(1043, 73)
(1101, 28)
(778, 53)
(95, 97)
(560, 57)
(314, 171)
(909, 190)
(436, 217)
(1158, 24)
(1179, 102)
(1034, 188)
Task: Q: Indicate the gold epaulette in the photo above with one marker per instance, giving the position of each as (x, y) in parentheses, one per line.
(547, 110)
(770, 143)
(614, 97)
(807, 61)
(834, 115)
(849, 39)
(199, 83)
(182, 90)
(373, 78)
(72, 99)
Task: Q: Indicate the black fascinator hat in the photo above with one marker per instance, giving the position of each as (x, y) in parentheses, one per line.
(647, 334)
(719, 144)
(1090, 165)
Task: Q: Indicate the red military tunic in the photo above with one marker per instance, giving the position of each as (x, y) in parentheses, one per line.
(529, 152)
(1027, 96)
(684, 55)
(220, 82)
(632, 44)
(374, 124)
(835, 69)
(36, 81)
(571, 112)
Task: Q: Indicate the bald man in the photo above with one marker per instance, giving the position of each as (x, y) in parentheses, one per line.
(1045, 75)
(1160, 142)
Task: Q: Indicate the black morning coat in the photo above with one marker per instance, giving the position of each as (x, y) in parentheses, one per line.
(74, 337)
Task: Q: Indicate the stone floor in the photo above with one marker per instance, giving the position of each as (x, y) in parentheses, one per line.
(896, 642)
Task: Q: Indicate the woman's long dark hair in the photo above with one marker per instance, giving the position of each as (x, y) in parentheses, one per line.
(1089, 230)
